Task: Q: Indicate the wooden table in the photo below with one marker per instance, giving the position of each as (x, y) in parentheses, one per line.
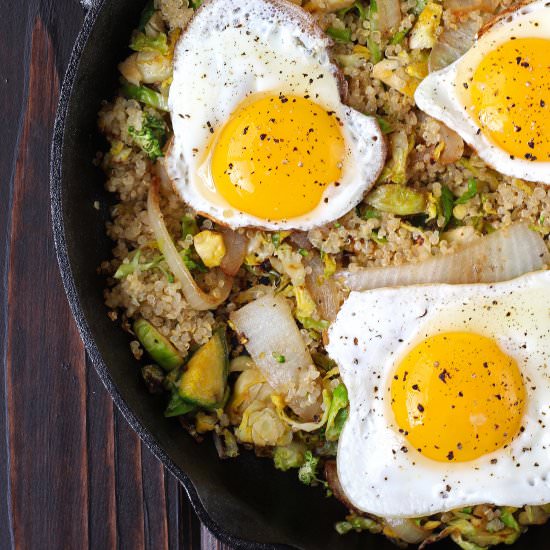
(72, 472)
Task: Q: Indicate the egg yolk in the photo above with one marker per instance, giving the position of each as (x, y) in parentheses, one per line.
(509, 96)
(457, 396)
(276, 155)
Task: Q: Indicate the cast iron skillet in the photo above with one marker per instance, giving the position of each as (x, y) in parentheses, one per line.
(245, 502)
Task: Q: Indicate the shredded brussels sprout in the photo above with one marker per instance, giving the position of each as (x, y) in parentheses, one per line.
(289, 456)
(340, 35)
(397, 199)
(144, 43)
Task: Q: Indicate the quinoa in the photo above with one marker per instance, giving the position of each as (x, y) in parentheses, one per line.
(147, 290)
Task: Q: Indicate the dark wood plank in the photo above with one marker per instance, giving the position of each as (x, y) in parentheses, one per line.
(154, 501)
(101, 506)
(209, 541)
(12, 89)
(129, 490)
(190, 525)
(45, 368)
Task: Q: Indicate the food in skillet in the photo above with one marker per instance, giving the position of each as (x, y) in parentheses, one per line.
(237, 285)
(496, 95)
(262, 138)
(448, 397)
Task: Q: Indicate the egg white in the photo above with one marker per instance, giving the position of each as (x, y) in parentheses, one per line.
(235, 48)
(437, 94)
(380, 472)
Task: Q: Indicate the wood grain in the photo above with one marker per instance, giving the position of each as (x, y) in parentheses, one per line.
(72, 472)
(52, 420)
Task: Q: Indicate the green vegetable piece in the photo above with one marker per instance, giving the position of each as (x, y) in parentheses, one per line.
(143, 43)
(289, 456)
(475, 538)
(385, 126)
(469, 194)
(399, 36)
(146, 14)
(278, 357)
(126, 269)
(195, 4)
(134, 266)
(340, 35)
(358, 524)
(375, 51)
(192, 261)
(343, 527)
(307, 473)
(361, 11)
(372, 44)
(507, 517)
(367, 213)
(151, 137)
(323, 361)
(153, 376)
(203, 382)
(329, 264)
(339, 420)
(166, 273)
(177, 406)
(314, 324)
(157, 346)
(397, 199)
(446, 204)
(378, 240)
(145, 95)
(395, 170)
(337, 414)
(189, 226)
(371, 213)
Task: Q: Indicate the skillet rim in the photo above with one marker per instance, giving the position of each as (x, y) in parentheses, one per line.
(70, 287)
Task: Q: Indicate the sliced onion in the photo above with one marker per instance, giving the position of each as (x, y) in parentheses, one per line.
(465, 6)
(280, 404)
(454, 145)
(235, 246)
(241, 363)
(274, 342)
(389, 15)
(503, 255)
(406, 530)
(452, 43)
(195, 296)
(326, 292)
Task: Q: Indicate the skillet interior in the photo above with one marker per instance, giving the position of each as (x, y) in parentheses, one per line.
(240, 500)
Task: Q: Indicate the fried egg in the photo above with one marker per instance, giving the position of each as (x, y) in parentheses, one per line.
(497, 95)
(261, 136)
(449, 390)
